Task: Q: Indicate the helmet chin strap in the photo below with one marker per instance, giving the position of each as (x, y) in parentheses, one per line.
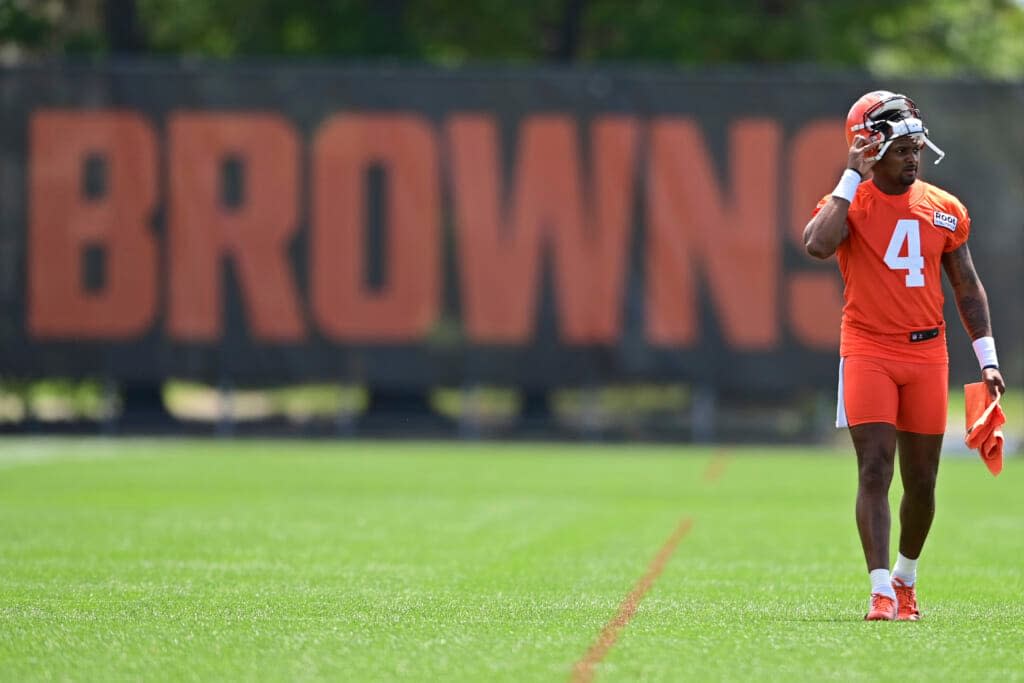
(935, 149)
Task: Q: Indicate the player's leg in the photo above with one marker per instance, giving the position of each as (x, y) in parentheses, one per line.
(875, 444)
(870, 404)
(919, 468)
(921, 424)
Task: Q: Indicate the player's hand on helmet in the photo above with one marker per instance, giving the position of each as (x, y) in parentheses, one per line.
(994, 381)
(861, 158)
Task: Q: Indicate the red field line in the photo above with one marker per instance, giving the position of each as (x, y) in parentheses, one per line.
(583, 670)
(716, 468)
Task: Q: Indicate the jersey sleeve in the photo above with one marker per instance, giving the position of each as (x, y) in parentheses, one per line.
(963, 227)
(852, 215)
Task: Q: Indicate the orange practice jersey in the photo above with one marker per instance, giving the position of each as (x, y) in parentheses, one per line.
(891, 264)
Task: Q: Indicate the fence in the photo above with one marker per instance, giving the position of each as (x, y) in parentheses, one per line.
(407, 228)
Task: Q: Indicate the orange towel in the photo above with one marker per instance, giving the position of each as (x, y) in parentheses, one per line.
(984, 419)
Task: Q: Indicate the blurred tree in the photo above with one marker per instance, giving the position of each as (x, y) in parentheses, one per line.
(121, 21)
(928, 37)
(22, 28)
(938, 37)
(947, 37)
(30, 27)
(569, 36)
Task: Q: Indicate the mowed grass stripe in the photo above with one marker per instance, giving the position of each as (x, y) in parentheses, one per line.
(285, 560)
(772, 585)
(325, 561)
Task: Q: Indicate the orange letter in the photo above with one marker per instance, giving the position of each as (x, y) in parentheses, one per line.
(499, 256)
(64, 220)
(815, 300)
(255, 233)
(691, 225)
(406, 305)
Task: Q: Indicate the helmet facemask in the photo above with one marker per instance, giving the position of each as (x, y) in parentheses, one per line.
(910, 126)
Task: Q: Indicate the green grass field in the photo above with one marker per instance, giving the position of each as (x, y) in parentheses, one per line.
(281, 560)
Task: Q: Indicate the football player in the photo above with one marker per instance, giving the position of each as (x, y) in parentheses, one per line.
(893, 235)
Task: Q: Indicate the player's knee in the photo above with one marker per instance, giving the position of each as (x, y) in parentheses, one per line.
(920, 488)
(875, 471)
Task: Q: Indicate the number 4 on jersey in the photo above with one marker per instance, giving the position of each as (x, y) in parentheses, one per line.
(908, 231)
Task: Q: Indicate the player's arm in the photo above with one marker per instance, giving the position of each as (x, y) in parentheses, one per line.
(972, 303)
(828, 228)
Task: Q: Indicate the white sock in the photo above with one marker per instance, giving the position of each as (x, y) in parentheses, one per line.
(905, 569)
(881, 583)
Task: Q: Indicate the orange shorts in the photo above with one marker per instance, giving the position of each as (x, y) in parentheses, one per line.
(911, 396)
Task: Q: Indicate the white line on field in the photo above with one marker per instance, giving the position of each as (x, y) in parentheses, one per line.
(21, 452)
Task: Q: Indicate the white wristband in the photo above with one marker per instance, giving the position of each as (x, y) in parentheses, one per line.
(985, 350)
(847, 186)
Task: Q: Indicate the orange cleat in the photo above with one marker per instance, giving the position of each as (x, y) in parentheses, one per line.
(906, 598)
(883, 608)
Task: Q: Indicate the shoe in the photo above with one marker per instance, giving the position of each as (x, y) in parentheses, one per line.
(883, 608)
(906, 599)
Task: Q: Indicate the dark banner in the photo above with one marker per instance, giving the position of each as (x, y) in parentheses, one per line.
(412, 227)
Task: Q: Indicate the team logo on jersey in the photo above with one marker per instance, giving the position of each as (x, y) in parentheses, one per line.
(944, 220)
